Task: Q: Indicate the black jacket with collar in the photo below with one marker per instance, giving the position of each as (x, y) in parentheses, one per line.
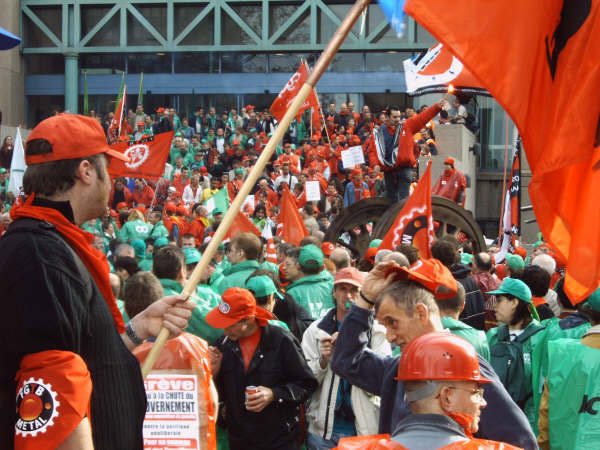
(278, 364)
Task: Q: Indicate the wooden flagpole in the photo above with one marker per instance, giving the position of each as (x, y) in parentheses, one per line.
(320, 67)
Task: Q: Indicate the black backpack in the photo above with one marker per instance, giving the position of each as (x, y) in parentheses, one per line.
(506, 357)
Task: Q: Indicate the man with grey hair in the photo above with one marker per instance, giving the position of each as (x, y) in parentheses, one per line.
(548, 263)
(381, 254)
(340, 257)
(397, 257)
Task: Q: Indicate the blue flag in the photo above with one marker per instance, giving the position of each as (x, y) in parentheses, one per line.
(394, 12)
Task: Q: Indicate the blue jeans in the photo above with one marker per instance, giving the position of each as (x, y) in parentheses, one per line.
(316, 442)
(397, 183)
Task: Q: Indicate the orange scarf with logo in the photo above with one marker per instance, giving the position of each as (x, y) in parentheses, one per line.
(80, 241)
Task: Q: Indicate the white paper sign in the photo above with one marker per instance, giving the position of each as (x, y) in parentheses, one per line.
(172, 416)
(353, 157)
(249, 201)
(313, 191)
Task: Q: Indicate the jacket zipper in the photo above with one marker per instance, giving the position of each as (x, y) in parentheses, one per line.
(328, 403)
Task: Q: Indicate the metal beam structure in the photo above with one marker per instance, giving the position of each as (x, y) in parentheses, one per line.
(100, 26)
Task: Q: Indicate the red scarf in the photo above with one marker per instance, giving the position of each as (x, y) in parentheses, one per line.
(93, 259)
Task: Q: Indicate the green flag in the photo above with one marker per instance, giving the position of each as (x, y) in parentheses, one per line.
(218, 201)
(86, 106)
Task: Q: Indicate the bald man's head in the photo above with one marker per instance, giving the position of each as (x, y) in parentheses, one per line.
(482, 262)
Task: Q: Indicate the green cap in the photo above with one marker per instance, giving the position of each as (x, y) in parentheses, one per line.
(593, 301)
(178, 134)
(192, 255)
(514, 287)
(310, 256)
(139, 247)
(238, 171)
(262, 286)
(160, 242)
(216, 211)
(519, 290)
(2, 170)
(375, 243)
(466, 258)
(515, 262)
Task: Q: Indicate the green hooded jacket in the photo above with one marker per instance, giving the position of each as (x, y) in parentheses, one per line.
(313, 293)
(236, 275)
(135, 229)
(159, 230)
(206, 299)
(474, 336)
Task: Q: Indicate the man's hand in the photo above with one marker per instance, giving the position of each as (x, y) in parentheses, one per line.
(375, 282)
(172, 312)
(216, 358)
(260, 399)
(326, 346)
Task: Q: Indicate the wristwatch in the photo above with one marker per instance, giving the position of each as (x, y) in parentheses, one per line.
(131, 334)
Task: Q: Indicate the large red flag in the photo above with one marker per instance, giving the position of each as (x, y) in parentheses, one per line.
(414, 223)
(147, 157)
(540, 62)
(291, 227)
(289, 92)
(241, 224)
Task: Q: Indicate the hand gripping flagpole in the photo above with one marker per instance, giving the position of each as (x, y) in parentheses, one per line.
(320, 67)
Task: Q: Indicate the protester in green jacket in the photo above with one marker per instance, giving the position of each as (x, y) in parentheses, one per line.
(516, 345)
(169, 267)
(244, 250)
(450, 310)
(135, 227)
(311, 285)
(158, 227)
(568, 415)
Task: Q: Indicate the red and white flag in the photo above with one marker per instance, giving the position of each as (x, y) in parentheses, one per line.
(289, 92)
(414, 223)
(147, 157)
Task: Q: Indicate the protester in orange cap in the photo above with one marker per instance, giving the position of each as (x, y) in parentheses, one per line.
(405, 303)
(357, 189)
(444, 390)
(451, 184)
(260, 373)
(66, 350)
(327, 248)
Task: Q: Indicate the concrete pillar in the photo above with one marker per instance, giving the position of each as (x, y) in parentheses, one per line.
(72, 82)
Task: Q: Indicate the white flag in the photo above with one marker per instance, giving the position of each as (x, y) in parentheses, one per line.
(17, 166)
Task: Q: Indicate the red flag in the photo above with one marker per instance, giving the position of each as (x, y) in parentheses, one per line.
(241, 224)
(116, 124)
(432, 70)
(147, 157)
(289, 92)
(414, 224)
(541, 65)
(291, 227)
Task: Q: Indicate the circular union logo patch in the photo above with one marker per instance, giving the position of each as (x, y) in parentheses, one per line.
(137, 154)
(36, 407)
(224, 308)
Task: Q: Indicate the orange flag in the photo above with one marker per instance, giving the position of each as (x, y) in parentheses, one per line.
(241, 224)
(291, 227)
(414, 224)
(541, 65)
(289, 92)
(147, 157)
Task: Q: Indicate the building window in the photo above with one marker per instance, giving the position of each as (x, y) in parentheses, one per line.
(44, 64)
(386, 61)
(108, 35)
(196, 62)
(348, 62)
(102, 63)
(149, 63)
(243, 63)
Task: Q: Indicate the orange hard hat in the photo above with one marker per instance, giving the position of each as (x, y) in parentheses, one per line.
(439, 356)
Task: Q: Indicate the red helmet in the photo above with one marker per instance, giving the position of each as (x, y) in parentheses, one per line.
(439, 356)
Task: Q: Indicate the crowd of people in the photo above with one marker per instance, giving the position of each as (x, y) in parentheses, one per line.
(310, 344)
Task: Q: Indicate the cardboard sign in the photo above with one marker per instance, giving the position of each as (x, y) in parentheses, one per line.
(172, 415)
(313, 191)
(353, 157)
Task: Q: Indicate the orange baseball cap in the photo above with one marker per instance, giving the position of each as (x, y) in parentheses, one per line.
(431, 274)
(349, 275)
(327, 248)
(236, 304)
(71, 136)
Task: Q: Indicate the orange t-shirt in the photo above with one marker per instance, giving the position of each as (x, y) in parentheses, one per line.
(248, 346)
